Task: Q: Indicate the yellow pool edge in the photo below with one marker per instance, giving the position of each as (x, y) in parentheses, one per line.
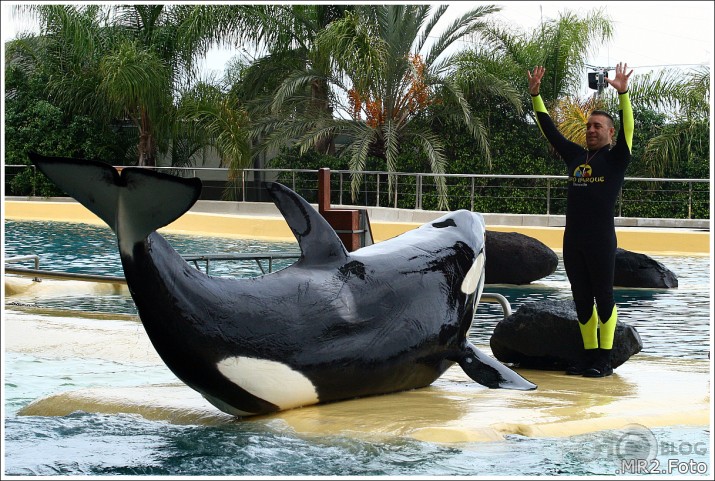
(264, 227)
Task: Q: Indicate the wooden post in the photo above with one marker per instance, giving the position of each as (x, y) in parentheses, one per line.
(346, 222)
(323, 189)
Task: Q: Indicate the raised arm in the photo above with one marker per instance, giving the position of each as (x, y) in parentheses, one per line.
(620, 83)
(534, 87)
(562, 145)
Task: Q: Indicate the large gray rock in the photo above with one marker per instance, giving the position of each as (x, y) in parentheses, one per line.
(545, 335)
(639, 270)
(514, 258)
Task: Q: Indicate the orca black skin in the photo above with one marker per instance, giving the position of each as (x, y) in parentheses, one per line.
(335, 325)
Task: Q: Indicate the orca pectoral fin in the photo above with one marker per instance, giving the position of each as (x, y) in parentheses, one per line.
(491, 373)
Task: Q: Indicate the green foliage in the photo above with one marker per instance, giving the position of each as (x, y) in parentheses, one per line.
(305, 183)
(292, 159)
(31, 182)
(42, 127)
(518, 149)
(469, 112)
(34, 124)
(383, 61)
(117, 62)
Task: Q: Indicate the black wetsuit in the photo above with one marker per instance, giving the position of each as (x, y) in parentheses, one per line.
(595, 179)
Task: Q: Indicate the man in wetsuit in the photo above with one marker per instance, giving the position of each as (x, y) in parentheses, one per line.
(589, 248)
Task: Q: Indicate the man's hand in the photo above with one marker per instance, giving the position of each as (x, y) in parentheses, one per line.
(535, 80)
(620, 83)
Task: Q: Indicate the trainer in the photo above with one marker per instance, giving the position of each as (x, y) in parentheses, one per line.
(596, 176)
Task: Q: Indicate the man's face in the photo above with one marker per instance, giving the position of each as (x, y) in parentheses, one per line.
(599, 131)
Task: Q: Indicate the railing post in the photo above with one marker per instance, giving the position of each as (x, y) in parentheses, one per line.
(243, 185)
(471, 197)
(690, 200)
(548, 196)
(418, 192)
(396, 186)
(377, 181)
(341, 188)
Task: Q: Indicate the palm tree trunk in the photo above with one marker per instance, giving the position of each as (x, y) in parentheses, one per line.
(147, 143)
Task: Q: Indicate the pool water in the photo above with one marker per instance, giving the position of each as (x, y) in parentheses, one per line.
(673, 323)
(659, 315)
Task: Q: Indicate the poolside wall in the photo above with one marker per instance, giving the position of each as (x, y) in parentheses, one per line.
(264, 221)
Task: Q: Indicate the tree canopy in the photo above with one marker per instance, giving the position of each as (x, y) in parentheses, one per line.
(399, 87)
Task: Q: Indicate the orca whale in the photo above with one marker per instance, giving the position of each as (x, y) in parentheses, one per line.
(335, 325)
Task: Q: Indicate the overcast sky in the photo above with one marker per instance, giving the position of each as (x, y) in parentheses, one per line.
(648, 35)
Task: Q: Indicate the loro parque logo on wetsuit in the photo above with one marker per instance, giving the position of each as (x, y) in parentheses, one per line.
(584, 174)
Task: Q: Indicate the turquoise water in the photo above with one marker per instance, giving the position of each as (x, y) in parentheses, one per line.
(674, 324)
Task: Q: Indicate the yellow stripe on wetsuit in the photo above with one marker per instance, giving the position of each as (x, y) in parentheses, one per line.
(624, 105)
(539, 106)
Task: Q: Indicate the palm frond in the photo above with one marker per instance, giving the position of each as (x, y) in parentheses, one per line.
(297, 81)
(468, 24)
(663, 151)
(434, 150)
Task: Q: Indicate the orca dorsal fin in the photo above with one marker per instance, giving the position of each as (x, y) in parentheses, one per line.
(133, 203)
(318, 241)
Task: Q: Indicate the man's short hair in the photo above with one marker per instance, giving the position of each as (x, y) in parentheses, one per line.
(605, 114)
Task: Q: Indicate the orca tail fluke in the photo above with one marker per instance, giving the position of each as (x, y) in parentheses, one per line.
(491, 373)
(133, 204)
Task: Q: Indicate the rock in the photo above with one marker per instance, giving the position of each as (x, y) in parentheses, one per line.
(639, 270)
(545, 335)
(514, 258)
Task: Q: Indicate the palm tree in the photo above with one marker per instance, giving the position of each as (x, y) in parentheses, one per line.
(687, 131)
(215, 118)
(284, 37)
(388, 67)
(561, 45)
(125, 62)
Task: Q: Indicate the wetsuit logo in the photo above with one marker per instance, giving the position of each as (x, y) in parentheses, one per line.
(583, 171)
(583, 175)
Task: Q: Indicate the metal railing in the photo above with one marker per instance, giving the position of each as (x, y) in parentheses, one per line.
(192, 258)
(30, 257)
(487, 193)
(263, 256)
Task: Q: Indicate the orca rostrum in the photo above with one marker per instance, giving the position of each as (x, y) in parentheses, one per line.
(335, 325)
